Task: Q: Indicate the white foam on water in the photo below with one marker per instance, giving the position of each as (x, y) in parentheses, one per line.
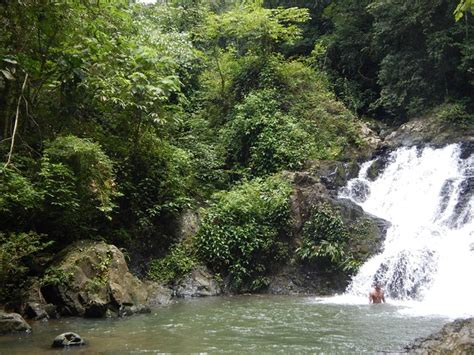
(428, 254)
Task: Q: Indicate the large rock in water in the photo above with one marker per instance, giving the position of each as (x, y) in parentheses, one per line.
(13, 322)
(454, 338)
(93, 280)
(199, 283)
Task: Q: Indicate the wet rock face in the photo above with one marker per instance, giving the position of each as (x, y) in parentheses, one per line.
(12, 323)
(367, 235)
(359, 191)
(199, 283)
(428, 129)
(67, 339)
(367, 231)
(378, 166)
(96, 281)
(332, 174)
(467, 150)
(454, 338)
(296, 280)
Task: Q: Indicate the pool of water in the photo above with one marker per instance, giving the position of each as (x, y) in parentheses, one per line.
(237, 324)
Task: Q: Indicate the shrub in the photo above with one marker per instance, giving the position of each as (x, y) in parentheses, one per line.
(89, 166)
(240, 235)
(263, 139)
(78, 188)
(325, 241)
(57, 277)
(18, 198)
(16, 253)
(454, 113)
(156, 180)
(330, 125)
(174, 266)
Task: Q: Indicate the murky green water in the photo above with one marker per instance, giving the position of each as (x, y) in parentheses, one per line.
(255, 324)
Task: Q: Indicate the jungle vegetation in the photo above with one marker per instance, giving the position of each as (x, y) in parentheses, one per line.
(115, 116)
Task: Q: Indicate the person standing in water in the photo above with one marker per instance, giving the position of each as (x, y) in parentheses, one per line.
(376, 295)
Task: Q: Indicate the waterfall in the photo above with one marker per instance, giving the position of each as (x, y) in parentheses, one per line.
(428, 254)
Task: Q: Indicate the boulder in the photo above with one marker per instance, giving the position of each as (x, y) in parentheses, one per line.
(366, 140)
(67, 339)
(158, 294)
(200, 282)
(13, 322)
(454, 338)
(369, 136)
(93, 280)
(35, 311)
(35, 307)
(128, 310)
(428, 129)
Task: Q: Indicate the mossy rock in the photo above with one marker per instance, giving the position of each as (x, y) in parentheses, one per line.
(89, 278)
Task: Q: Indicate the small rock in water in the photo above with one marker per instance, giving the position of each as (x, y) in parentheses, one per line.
(67, 339)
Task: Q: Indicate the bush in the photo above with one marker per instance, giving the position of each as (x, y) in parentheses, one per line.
(454, 113)
(240, 235)
(332, 128)
(174, 266)
(325, 241)
(78, 188)
(18, 199)
(16, 253)
(156, 181)
(84, 161)
(263, 139)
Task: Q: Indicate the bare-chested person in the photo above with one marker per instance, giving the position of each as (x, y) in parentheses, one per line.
(376, 295)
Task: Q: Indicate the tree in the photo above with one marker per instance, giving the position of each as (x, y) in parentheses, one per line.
(463, 7)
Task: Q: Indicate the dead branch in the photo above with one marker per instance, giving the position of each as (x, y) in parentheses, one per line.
(16, 122)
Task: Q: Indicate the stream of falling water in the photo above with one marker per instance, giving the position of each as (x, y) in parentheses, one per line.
(427, 262)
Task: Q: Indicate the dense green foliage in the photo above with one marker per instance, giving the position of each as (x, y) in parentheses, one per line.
(325, 241)
(115, 117)
(17, 260)
(398, 58)
(242, 233)
(177, 264)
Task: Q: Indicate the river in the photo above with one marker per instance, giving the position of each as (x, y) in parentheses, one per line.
(238, 324)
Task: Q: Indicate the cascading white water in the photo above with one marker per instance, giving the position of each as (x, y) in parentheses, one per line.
(428, 254)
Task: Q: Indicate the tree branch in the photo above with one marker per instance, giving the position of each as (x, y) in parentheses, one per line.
(16, 122)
